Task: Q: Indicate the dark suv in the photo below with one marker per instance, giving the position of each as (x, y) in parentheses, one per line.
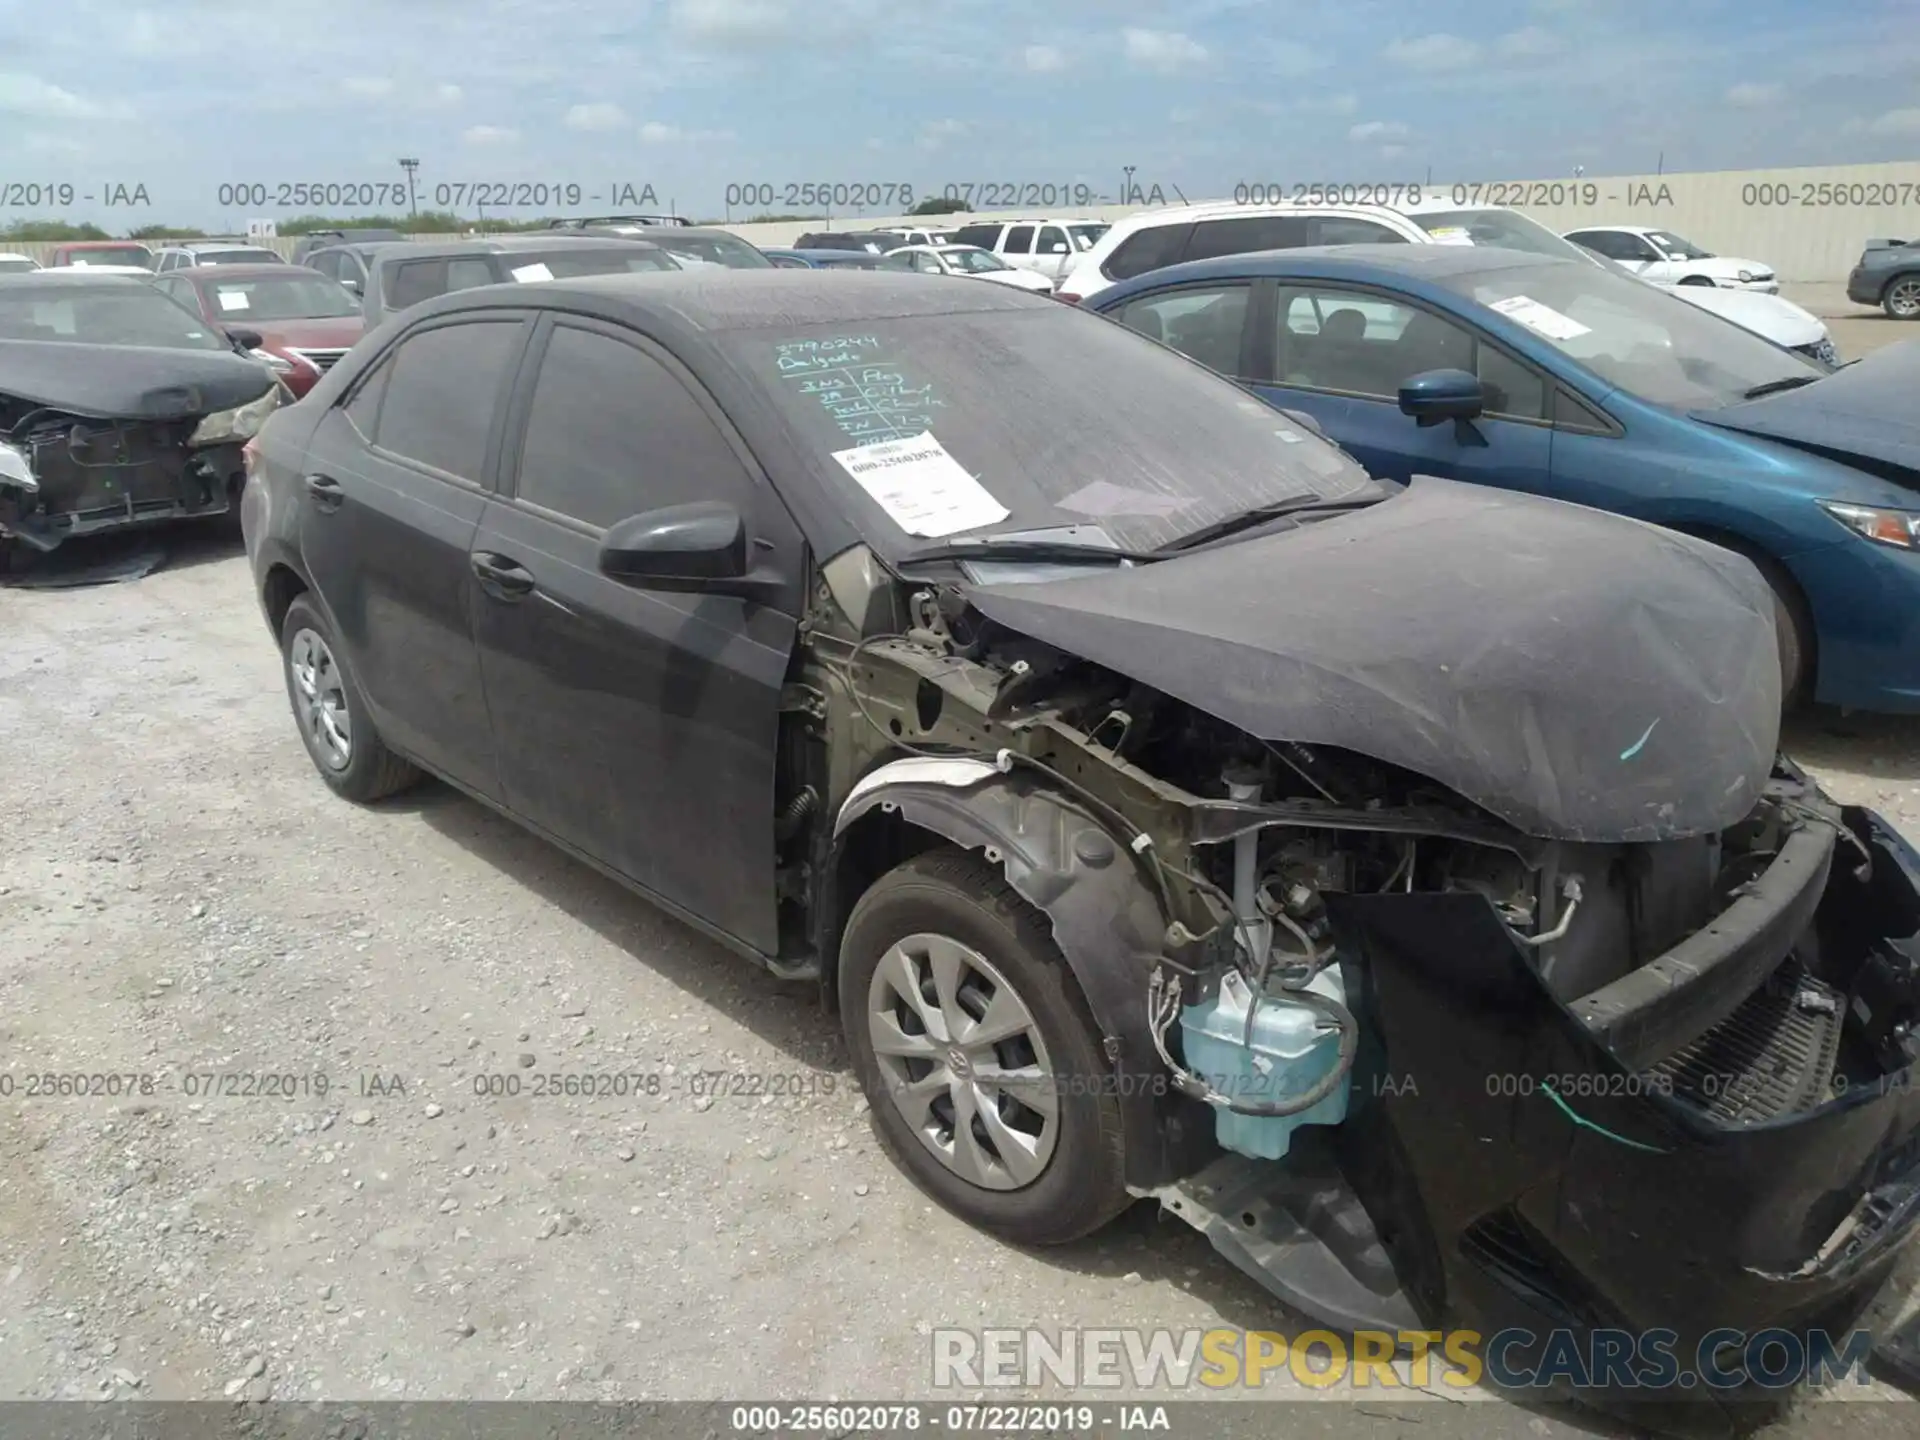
(871, 241)
(400, 276)
(692, 245)
(1888, 275)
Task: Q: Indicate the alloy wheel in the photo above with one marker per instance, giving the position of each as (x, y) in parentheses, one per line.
(963, 1060)
(1903, 299)
(322, 699)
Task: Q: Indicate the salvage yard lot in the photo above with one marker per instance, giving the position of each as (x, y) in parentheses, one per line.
(180, 897)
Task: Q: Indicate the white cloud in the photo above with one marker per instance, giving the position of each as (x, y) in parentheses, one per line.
(448, 94)
(368, 86)
(654, 132)
(935, 133)
(1751, 95)
(1288, 60)
(1345, 104)
(730, 22)
(1895, 122)
(1529, 42)
(597, 115)
(30, 95)
(1433, 52)
(1369, 130)
(1044, 59)
(489, 135)
(1162, 49)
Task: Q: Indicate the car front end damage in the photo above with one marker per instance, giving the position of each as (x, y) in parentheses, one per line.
(117, 438)
(1593, 1064)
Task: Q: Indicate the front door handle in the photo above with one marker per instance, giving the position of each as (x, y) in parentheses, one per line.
(500, 577)
(326, 492)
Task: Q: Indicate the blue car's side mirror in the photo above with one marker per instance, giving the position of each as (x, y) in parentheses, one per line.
(1434, 396)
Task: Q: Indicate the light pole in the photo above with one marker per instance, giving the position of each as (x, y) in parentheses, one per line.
(413, 202)
(1126, 188)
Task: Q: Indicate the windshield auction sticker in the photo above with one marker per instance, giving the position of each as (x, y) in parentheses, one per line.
(922, 488)
(1543, 318)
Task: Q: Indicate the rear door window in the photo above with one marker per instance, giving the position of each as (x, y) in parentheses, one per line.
(1246, 233)
(1346, 230)
(1019, 241)
(982, 235)
(1153, 248)
(444, 392)
(1205, 322)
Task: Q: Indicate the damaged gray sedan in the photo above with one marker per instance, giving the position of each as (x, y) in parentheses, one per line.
(1401, 885)
(118, 408)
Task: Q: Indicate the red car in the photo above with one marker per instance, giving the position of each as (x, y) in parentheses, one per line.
(101, 252)
(305, 320)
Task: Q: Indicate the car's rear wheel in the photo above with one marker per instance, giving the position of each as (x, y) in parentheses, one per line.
(332, 712)
(1902, 300)
(976, 1050)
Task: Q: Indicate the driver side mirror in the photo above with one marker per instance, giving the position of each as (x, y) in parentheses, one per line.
(356, 287)
(699, 548)
(1435, 396)
(245, 339)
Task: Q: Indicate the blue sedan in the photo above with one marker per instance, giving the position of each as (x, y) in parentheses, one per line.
(1543, 374)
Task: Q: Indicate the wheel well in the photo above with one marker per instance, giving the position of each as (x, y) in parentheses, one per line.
(874, 844)
(1697, 280)
(1778, 576)
(283, 587)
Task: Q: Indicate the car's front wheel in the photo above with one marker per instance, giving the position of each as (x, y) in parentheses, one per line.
(332, 712)
(977, 1053)
(1902, 300)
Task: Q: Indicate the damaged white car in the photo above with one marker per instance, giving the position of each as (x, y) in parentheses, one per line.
(118, 408)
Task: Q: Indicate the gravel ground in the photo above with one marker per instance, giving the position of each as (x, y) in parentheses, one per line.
(180, 897)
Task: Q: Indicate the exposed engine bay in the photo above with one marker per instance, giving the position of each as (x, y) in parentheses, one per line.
(142, 436)
(1401, 1033)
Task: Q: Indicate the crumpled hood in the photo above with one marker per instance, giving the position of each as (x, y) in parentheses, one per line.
(1865, 409)
(125, 382)
(1579, 675)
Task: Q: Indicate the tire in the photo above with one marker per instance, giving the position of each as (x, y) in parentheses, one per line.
(367, 770)
(950, 902)
(1902, 298)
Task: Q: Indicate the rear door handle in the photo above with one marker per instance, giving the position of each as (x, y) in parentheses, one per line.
(500, 577)
(326, 492)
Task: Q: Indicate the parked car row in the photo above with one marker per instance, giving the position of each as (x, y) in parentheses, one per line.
(1172, 801)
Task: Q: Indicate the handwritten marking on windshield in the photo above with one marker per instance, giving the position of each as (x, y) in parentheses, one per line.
(1638, 745)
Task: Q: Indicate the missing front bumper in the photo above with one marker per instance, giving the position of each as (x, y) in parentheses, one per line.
(94, 476)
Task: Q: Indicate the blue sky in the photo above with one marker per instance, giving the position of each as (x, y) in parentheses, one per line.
(688, 95)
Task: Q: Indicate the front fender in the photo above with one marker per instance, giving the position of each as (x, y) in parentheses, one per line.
(1104, 917)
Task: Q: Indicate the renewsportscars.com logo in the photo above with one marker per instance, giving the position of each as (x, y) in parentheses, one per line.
(1517, 1359)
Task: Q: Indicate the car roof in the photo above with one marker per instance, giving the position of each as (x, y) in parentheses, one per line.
(1379, 263)
(221, 274)
(100, 244)
(552, 242)
(715, 300)
(1620, 229)
(199, 245)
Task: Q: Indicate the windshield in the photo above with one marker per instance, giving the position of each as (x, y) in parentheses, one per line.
(1085, 237)
(301, 295)
(101, 313)
(1632, 335)
(974, 262)
(571, 265)
(1677, 248)
(1503, 229)
(115, 255)
(714, 250)
(1158, 449)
